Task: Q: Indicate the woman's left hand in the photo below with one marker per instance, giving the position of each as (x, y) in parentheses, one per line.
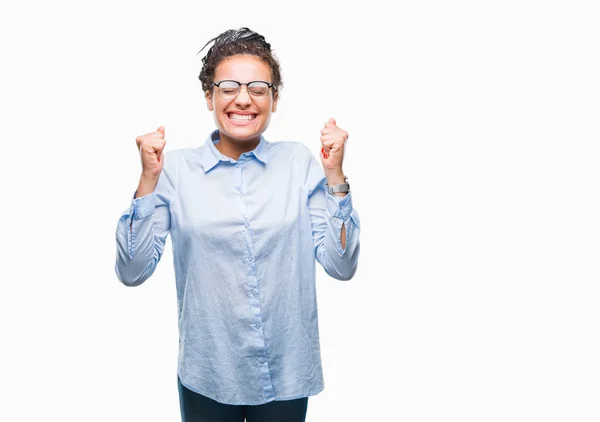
(332, 153)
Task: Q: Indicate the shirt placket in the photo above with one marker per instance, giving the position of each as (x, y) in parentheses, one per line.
(253, 287)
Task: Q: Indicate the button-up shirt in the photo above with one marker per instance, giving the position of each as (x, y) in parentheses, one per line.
(245, 234)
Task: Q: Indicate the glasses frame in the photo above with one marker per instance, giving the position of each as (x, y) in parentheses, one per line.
(269, 84)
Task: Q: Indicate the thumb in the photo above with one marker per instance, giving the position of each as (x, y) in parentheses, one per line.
(332, 121)
(162, 130)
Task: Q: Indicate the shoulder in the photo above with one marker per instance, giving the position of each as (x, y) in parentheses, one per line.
(175, 158)
(293, 149)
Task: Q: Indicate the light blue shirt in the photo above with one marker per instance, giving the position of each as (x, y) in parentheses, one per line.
(245, 235)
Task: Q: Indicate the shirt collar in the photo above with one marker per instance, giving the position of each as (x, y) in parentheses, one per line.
(212, 156)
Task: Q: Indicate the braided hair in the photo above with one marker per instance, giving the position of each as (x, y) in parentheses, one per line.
(231, 43)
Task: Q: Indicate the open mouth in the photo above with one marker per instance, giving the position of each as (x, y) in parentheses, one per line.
(241, 117)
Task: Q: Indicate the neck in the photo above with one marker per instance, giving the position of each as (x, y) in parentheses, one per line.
(234, 148)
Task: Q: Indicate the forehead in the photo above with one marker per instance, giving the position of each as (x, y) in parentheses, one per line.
(243, 68)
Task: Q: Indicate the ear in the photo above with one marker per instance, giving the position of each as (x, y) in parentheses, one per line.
(209, 100)
(275, 100)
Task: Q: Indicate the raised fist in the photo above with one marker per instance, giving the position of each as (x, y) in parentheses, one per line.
(151, 147)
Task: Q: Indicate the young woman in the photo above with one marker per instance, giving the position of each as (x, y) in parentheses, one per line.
(247, 220)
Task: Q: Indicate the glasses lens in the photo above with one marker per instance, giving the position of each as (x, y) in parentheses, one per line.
(258, 89)
(228, 89)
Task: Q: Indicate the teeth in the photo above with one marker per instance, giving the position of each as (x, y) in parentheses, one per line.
(241, 116)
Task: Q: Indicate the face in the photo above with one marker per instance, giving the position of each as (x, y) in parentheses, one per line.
(231, 116)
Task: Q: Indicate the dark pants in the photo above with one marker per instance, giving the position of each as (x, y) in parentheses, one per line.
(198, 408)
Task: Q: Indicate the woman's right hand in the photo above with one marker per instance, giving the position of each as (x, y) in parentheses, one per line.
(151, 147)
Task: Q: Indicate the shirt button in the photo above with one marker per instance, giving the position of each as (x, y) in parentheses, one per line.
(257, 325)
(262, 359)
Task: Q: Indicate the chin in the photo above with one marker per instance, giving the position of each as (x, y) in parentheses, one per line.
(242, 135)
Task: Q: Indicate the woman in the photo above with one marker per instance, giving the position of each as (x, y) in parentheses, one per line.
(247, 219)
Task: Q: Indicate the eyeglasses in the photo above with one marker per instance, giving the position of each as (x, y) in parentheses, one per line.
(259, 90)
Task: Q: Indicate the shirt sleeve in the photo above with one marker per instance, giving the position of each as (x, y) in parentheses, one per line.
(142, 231)
(327, 214)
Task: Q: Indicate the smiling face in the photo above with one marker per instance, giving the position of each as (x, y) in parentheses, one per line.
(244, 118)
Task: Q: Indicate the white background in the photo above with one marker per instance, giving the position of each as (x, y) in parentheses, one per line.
(473, 159)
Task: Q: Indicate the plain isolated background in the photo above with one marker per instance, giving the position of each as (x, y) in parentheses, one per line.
(473, 159)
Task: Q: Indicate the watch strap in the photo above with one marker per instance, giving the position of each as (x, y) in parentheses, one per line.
(339, 188)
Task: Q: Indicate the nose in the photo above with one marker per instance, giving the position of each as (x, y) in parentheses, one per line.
(243, 97)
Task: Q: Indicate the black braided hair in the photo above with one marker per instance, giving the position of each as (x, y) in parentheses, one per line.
(231, 43)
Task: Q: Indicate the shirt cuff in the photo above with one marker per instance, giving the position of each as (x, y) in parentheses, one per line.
(339, 207)
(142, 207)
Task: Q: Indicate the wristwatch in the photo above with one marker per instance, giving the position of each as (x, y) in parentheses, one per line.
(341, 188)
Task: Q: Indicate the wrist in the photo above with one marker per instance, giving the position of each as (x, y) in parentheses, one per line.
(338, 189)
(146, 186)
(335, 177)
(149, 177)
